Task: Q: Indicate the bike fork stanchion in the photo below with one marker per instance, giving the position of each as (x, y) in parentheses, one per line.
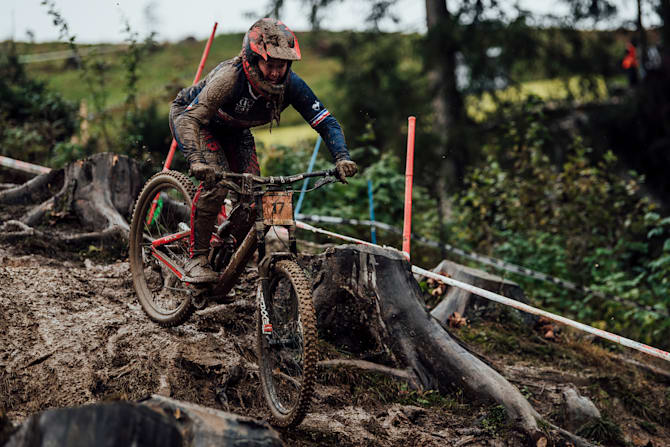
(373, 232)
(306, 182)
(409, 174)
(173, 146)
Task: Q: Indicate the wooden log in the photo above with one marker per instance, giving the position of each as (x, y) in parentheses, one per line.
(156, 422)
(469, 305)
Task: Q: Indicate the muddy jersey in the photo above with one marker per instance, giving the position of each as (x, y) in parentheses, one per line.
(225, 101)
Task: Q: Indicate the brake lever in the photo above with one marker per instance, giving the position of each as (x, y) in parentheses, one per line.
(229, 184)
(324, 181)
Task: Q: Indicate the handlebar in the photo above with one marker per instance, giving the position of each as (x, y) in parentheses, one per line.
(257, 180)
(276, 180)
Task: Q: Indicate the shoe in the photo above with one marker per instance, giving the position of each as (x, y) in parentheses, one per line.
(199, 270)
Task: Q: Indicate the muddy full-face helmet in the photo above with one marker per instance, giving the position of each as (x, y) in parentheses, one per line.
(268, 38)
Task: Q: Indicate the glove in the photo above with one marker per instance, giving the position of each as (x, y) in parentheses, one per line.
(345, 168)
(203, 172)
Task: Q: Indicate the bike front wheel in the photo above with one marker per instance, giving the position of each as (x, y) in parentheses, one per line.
(159, 229)
(287, 353)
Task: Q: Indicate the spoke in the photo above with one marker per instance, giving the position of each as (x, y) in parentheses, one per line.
(285, 346)
(161, 280)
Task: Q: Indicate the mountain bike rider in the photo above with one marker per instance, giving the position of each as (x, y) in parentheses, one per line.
(210, 122)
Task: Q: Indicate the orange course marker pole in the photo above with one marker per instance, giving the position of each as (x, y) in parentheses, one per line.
(173, 146)
(409, 175)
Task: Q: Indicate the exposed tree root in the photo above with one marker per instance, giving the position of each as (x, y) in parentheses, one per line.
(22, 231)
(34, 190)
(98, 191)
(366, 366)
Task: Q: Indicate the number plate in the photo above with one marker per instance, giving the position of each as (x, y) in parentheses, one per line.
(278, 208)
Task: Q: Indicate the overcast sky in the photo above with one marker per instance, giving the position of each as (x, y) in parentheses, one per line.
(95, 21)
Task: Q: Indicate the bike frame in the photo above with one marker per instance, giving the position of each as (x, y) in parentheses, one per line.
(255, 193)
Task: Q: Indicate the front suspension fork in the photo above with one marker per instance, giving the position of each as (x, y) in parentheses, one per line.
(263, 305)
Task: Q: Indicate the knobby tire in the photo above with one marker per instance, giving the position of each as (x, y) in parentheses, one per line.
(172, 184)
(289, 414)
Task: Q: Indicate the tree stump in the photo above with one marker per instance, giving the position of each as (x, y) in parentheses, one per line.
(468, 304)
(99, 192)
(368, 302)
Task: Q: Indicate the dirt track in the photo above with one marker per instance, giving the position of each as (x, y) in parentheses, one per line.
(73, 333)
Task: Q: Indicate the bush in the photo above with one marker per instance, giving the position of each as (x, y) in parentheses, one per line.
(582, 221)
(33, 119)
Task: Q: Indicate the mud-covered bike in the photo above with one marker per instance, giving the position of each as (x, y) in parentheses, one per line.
(286, 322)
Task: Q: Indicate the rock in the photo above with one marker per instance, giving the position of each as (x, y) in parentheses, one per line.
(578, 409)
(157, 421)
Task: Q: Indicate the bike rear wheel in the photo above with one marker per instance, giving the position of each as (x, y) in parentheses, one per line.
(163, 208)
(287, 356)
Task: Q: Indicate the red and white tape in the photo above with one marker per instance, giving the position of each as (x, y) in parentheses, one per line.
(23, 166)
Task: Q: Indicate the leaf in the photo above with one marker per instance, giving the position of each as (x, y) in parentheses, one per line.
(660, 262)
(656, 231)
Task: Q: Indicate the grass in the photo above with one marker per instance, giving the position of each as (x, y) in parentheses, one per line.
(479, 107)
(369, 388)
(167, 69)
(495, 420)
(285, 135)
(171, 67)
(602, 430)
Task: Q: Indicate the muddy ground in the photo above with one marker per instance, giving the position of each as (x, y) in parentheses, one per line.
(72, 332)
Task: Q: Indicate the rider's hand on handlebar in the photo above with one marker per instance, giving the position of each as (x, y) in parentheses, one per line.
(203, 172)
(345, 168)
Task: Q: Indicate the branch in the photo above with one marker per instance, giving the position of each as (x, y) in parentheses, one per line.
(33, 190)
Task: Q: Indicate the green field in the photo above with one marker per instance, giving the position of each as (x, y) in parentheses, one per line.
(285, 135)
(171, 67)
(167, 69)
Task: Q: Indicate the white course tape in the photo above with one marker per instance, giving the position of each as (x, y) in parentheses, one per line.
(526, 308)
(308, 227)
(650, 350)
(487, 260)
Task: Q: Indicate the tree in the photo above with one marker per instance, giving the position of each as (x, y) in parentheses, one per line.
(448, 109)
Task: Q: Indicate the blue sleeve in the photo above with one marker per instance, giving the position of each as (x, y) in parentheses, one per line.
(303, 99)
